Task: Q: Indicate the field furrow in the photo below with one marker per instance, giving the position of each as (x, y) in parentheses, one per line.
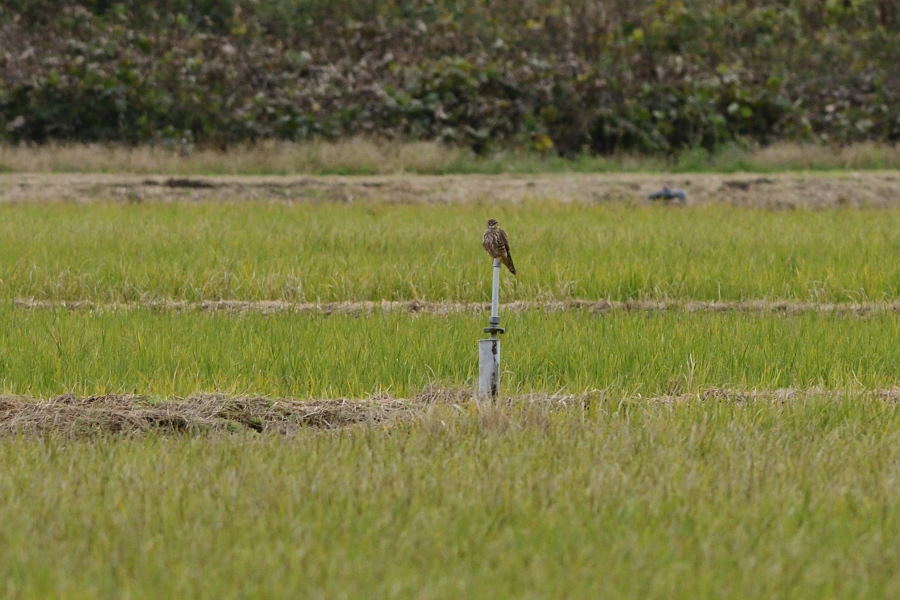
(444, 308)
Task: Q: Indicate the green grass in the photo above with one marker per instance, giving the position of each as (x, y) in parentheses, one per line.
(637, 500)
(333, 252)
(48, 352)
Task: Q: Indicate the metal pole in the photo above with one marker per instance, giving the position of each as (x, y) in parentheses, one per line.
(488, 368)
(489, 349)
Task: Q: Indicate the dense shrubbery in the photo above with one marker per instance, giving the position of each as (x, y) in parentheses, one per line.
(558, 75)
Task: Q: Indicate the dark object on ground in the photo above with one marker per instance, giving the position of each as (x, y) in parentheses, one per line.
(188, 183)
(668, 195)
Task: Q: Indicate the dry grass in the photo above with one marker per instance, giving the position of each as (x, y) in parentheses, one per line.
(865, 155)
(348, 156)
(360, 308)
(126, 414)
(372, 156)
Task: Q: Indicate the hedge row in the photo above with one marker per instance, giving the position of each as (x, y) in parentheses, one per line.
(553, 75)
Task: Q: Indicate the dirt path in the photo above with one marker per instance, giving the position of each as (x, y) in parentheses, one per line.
(443, 308)
(775, 191)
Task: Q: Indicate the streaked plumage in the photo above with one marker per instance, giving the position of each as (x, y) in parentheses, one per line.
(497, 245)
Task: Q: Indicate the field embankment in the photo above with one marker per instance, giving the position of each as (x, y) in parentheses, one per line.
(70, 416)
(830, 189)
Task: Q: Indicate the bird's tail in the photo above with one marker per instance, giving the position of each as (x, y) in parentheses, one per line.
(507, 260)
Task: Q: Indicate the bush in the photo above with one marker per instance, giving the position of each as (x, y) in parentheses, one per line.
(551, 75)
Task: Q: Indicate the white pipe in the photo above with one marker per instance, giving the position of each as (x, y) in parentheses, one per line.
(495, 294)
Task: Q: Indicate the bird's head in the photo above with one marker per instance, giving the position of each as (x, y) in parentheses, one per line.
(492, 224)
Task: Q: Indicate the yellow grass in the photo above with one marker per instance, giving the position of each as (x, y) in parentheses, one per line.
(371, 156)
(357, 155)
(813, 156)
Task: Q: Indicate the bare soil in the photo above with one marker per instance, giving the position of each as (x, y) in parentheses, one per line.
(773, 191)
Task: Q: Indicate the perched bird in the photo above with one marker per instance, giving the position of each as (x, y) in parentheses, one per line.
(497, 245)
(668, 194)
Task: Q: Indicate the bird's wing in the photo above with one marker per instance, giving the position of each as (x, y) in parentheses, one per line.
(504, 241)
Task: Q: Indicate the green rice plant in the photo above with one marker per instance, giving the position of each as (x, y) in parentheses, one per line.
(374, 251)
(165, 353)
(707, 499)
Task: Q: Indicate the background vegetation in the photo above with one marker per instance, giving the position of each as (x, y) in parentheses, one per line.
(547, 75)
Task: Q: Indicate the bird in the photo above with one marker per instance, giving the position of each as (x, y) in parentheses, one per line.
(497, 245)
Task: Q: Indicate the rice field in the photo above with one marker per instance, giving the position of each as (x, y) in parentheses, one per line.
(165, 354)
(344, 252)
(697, 401)
(695, 500)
